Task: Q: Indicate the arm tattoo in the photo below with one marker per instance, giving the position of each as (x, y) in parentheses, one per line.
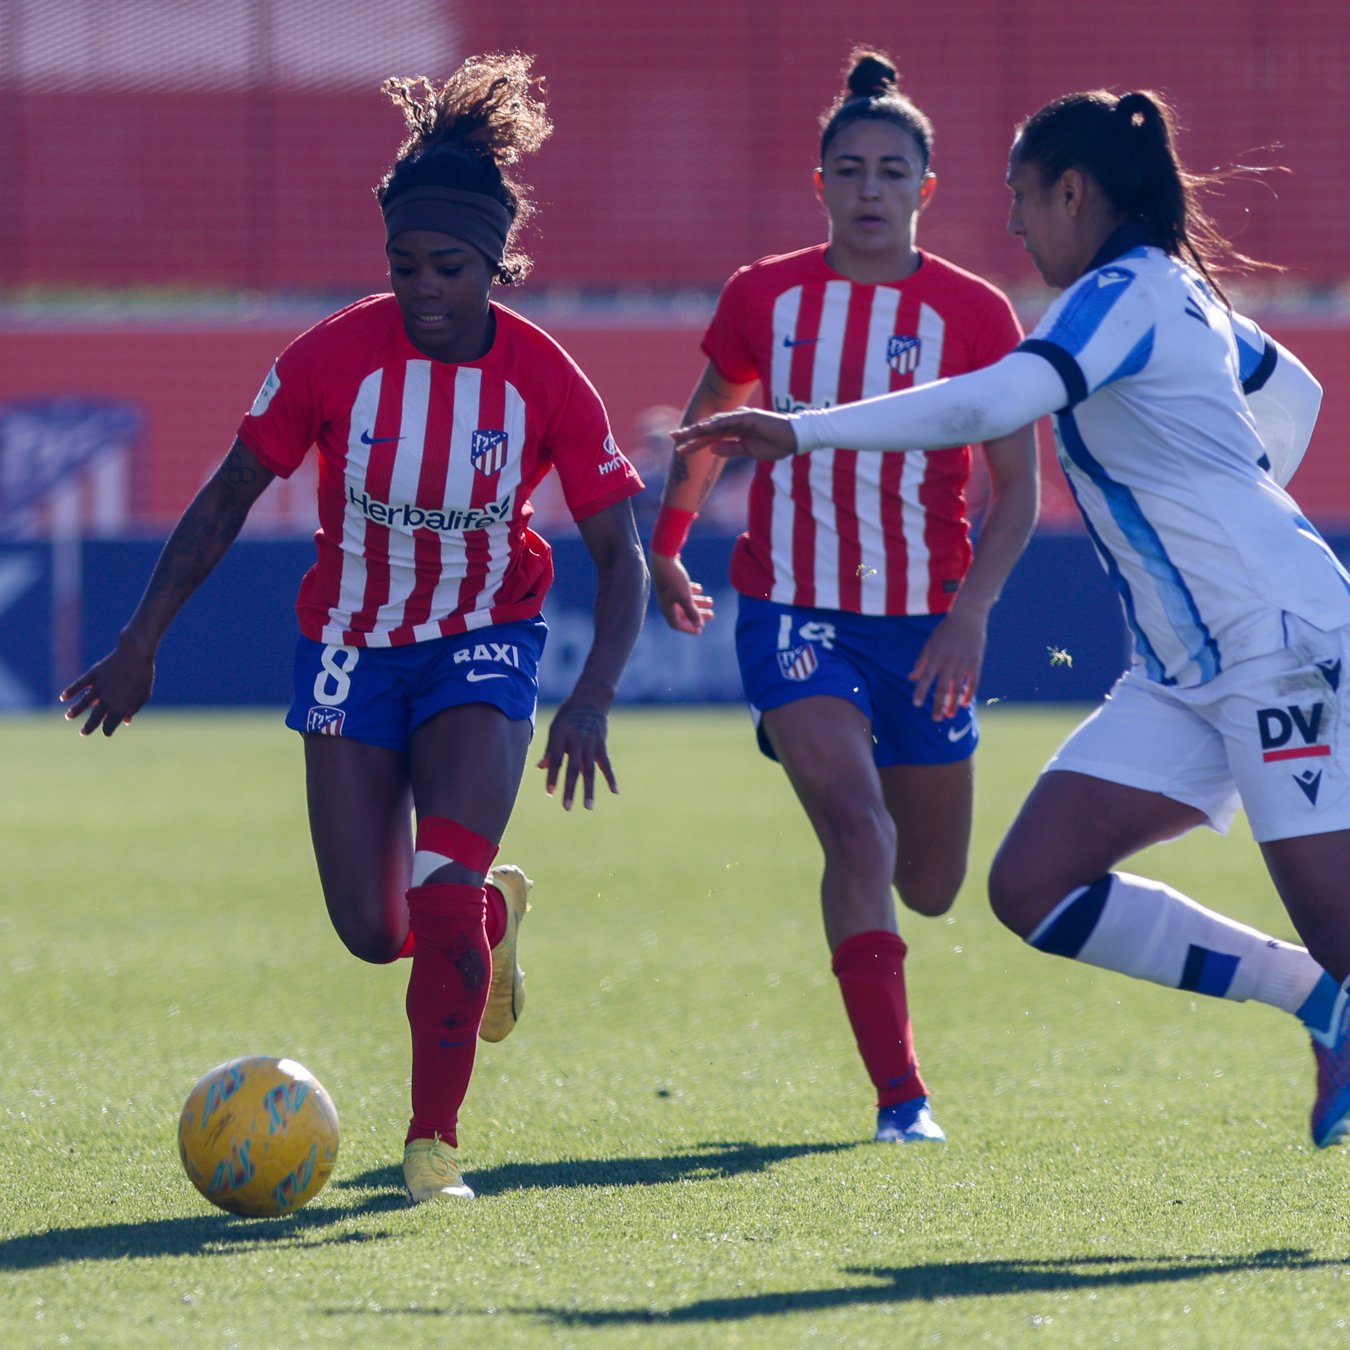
(237, 471)
(206, 530)
(680, 473)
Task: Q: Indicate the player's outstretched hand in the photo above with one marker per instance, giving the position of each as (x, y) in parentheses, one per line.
(684, 604)
(111, 692)
(745, 433)
(576, 748)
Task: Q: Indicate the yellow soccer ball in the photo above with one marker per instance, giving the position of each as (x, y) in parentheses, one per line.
(258, 1136)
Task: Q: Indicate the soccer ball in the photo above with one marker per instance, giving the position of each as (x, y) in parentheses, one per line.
(258, 1136)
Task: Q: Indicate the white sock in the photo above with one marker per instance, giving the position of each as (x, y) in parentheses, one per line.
(425, 862)
(1146, 929)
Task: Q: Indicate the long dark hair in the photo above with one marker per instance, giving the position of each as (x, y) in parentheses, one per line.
(872, 93)
(1127, 144)
(466, 132)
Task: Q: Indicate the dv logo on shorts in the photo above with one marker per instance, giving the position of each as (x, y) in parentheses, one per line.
(902, 353)
(325, 721)
(487, 451)
(798, 663)
(1291, 733)
(1278, 727)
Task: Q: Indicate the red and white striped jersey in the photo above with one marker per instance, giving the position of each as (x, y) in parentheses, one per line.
(426, 469)
(835, 529)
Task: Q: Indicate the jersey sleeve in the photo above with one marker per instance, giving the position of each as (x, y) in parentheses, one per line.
(593, 471)
(1283, 395)
(726, 343)
(980, 405)
(1257, 353)
(1099, 331)
(286, 415)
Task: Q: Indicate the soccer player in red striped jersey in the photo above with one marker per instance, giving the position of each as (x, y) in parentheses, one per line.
(862, 606)
(434, 412)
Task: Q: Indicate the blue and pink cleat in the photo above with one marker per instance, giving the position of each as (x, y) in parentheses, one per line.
(1331, 1110)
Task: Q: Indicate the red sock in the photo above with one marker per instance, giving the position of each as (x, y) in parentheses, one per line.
(447, 992)
(870, 968)
(496, 915)
(496, 923)
(440, 840)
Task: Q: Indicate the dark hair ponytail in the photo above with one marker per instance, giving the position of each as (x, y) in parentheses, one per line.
(1150, 182)
(1127, 145)
(872, 93)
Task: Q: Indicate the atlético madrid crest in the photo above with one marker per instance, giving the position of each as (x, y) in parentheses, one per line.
(487, 451)
(325, 721)
(902, 353)
(798, 663)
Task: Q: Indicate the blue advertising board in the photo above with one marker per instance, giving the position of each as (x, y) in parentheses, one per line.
(1056, 635)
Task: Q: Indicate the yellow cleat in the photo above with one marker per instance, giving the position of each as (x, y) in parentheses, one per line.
(506, 998)
(430, 1172)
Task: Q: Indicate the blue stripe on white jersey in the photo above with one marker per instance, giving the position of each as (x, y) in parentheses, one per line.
(1086, 309)
(1133, 362)
(1172, 592)
(1152, 666)
(1256, 354)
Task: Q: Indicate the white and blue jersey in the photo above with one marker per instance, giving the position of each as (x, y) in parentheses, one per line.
(1161, 448)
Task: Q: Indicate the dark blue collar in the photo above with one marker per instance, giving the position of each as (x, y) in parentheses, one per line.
(1120, 241)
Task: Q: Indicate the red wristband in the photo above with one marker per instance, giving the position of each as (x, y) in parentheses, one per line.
(671, 530)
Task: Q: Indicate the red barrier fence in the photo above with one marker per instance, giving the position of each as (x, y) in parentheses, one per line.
(191, 384)
(233, 144)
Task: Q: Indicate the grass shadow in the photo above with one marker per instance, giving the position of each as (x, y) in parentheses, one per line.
(209, 1234)
(926, 1283)
(220, 1234)
(703, 1162)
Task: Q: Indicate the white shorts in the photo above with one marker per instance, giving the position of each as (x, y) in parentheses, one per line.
(1268, 735)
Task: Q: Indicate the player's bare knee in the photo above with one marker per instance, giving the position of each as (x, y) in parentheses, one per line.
(849, 831)
(930, 896)
(1017, 901)
(376, 943)
(930, 891)
(376, 950)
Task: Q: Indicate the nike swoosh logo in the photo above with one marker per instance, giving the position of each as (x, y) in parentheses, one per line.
(368, 439)
(954, 735)
(797, 342)
(475, 675)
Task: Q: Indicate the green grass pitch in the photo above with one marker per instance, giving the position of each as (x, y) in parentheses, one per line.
(671, 1149)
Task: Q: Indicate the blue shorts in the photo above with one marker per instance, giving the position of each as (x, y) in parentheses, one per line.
(788, 653)
(381, 695)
